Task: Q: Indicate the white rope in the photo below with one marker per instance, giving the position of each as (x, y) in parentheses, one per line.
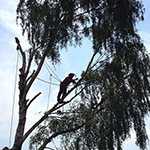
(13, 105)
(49, 68)
(47, 81)
(49, 93)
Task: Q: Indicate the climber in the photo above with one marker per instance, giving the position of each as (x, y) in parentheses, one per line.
(63, 86)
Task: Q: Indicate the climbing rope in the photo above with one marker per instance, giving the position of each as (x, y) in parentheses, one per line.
(49, 93)
(46, 81)
(13, 105)
(54, 144)
(50, 69)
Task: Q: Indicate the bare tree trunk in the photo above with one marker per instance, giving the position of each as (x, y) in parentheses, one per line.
(22, 108)
(25, 84)
(20, 128)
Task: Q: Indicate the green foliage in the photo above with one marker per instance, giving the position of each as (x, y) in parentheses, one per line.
(56, 126)
(123, 83)
(52, 24)
(41, 136)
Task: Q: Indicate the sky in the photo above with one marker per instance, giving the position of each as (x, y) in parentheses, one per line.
(72, 60)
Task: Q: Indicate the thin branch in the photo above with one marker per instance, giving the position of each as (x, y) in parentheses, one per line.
(88, 67)
(33, 99)
(31, 55)
(36, 73)
(30, 76)
(59, 133)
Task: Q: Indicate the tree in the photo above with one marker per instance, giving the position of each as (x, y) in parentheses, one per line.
(110, 106)
(111, 25)
(124, 104)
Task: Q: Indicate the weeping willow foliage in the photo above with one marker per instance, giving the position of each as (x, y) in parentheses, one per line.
(51, 25)
(123, 83)
(116, 98)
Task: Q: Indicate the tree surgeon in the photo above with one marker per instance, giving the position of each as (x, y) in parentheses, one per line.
(63, 87)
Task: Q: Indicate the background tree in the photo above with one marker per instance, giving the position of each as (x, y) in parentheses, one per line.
(51, 26)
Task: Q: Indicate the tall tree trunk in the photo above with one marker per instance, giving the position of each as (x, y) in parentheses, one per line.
(22, 112)
(25, 83)
(21, 126)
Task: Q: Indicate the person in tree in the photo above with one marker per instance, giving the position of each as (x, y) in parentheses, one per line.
(63, 86)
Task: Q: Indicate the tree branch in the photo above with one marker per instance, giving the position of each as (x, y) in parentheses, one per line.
(39, 121)
(33, 99)
(22, 53)
(30, 76)
(59, 133)
(31, 55)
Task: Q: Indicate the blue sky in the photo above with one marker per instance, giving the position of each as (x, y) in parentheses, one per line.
(74, 60)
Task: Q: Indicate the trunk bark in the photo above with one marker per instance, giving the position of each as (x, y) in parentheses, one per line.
(24, 86)
(22, 110)
(21, 126)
